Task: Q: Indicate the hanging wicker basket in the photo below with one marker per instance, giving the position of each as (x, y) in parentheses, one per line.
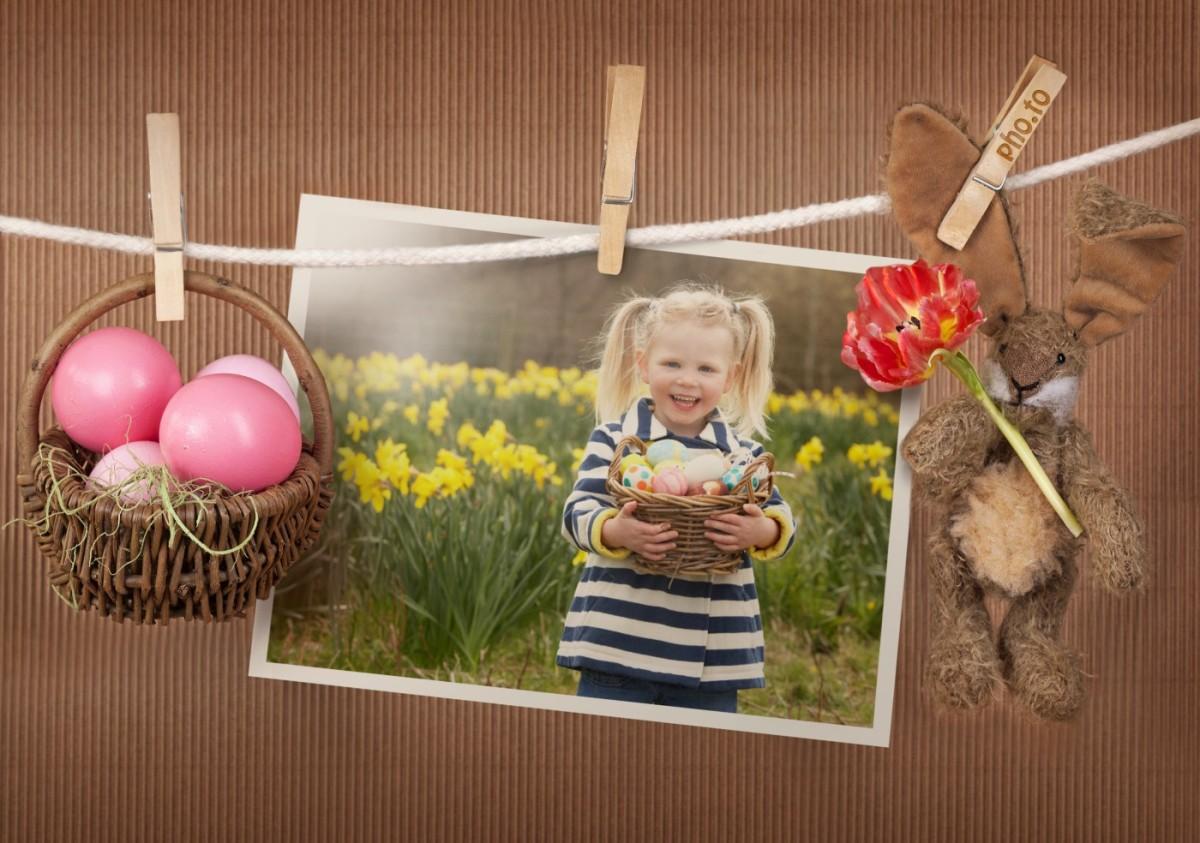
(133, 566)
(693, 553)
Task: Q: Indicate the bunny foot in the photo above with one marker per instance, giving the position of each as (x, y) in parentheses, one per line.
(1044, 675)
(962, 671)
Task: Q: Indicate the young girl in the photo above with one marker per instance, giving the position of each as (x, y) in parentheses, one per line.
(687, 640)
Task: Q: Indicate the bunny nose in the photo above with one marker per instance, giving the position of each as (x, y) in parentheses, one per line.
(1024, 389)
(1024, 369)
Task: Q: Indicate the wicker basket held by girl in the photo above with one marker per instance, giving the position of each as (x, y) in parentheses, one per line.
(694, 553)
(129, 562)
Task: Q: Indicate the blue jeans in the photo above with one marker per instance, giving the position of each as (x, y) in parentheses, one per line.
(609, 686)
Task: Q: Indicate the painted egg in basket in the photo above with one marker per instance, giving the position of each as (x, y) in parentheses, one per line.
(631, 460)
(638, 477)
(670, 481)
(666, 449)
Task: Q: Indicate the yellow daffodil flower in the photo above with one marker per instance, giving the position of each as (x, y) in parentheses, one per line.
(810, 453)
(466, 434)
(350, 462)
(881, 485)
(356, 425)
(438, 413)
(451, 460)
(394, 464)
(877, 452)
(373, 488)
(424, 486)
(798, 402)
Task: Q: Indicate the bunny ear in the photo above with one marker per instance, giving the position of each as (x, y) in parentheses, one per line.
(930, 157)
(1127, 252)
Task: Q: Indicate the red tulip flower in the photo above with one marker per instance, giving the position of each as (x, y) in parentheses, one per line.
(905, 314)
(910, 317)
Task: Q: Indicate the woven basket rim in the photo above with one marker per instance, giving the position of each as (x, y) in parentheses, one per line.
(616, 487)
(264, 502)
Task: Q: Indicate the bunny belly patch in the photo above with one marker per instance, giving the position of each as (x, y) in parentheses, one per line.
(1006, 530)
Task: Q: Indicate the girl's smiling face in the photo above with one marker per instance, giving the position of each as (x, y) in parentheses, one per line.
(688, 367)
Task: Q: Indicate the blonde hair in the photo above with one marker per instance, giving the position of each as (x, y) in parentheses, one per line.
(631, 328)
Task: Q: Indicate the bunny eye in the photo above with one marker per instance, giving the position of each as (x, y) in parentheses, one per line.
(1003, 347)
(1062, 358)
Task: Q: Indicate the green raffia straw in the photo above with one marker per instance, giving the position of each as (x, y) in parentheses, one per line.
(174, 517)
(157, 475)
(957, 363)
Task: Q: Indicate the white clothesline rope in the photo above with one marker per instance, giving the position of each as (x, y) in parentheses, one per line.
(534, 247)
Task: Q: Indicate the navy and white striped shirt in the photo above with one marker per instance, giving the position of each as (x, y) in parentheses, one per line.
(700, 631)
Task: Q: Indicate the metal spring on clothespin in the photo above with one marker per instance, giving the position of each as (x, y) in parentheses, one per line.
(1039, 84)
(624, 90)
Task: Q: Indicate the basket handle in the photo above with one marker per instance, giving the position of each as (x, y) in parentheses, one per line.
(628, 443)
(140, 286)
(745, 485)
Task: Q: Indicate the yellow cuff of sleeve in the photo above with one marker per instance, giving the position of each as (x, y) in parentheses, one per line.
(598, 527)
(786, 529)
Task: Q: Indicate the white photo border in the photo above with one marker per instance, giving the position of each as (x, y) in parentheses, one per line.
(321, 216)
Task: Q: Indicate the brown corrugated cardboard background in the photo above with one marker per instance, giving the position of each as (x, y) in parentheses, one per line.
(126, 733)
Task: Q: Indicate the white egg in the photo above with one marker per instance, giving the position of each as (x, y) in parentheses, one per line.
(708, 466)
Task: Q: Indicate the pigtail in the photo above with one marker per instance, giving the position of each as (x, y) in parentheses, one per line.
(754, 381)
(617, 381)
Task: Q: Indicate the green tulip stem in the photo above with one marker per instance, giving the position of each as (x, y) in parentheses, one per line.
(957, 363)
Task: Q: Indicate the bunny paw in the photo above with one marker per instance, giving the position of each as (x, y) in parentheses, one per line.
(1121, 575)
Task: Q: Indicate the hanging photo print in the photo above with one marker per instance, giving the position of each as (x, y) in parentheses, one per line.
(659, 495)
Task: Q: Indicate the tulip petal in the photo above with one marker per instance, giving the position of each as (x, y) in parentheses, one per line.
(906, 313)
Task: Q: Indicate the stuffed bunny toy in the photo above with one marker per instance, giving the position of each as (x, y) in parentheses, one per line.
(994, 531)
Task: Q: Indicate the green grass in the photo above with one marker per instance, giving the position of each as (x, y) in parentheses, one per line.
(803, 681)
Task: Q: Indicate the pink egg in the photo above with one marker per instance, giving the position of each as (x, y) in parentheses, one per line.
(116, 466)
(670, 481)
(231, 429)
(110, 387)
(247, 365)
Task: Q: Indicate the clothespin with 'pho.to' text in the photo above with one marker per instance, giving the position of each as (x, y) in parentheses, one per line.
(1022, 113)
(166, 214)
(624, 90)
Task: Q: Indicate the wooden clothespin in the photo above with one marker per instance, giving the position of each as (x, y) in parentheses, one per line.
(625, 88)
(166, 214)
(1023, 111)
